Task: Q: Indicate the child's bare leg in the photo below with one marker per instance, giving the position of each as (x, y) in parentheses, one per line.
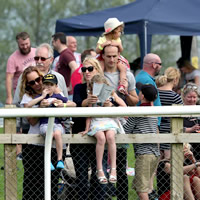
(100, 136)
(110, 138)
(59, 146)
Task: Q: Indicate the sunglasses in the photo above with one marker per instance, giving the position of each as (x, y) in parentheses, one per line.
(90, 69)
(36, 58)
(37, 80)
(159, 64)
(193, 87)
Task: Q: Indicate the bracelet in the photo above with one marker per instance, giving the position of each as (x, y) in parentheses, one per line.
(64, 105)
(100, 47)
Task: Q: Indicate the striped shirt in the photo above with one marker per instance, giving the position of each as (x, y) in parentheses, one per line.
(167, 98)
(143, 125)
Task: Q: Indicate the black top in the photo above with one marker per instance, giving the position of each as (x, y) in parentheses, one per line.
(80, 93)
(163, 178)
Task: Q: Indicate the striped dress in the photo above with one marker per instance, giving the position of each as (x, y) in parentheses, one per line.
(167, 98)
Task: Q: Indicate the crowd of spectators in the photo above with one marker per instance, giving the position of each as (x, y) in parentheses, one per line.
(76, 79)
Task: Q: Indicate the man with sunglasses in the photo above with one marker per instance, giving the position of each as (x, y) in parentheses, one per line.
(151, 67)
(67, 62)
(17, 62)
(43, 60)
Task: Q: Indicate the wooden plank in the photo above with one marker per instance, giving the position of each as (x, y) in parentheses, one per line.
(5, 139)
(123, 139)
(176, 162)
(10, 171)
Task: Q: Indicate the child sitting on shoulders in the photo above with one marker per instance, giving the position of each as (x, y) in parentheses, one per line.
(54, 100)
(147, 154)
(111, 36)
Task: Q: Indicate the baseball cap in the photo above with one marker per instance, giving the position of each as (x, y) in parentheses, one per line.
(111, 24)
(50, 78)
(148, 90)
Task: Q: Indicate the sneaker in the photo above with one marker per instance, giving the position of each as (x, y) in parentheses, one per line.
(60, 165)
(52, 167)
(19, 156)
(153, 195)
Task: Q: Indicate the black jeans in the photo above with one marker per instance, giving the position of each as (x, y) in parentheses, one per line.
(33, 162)
(84, 156)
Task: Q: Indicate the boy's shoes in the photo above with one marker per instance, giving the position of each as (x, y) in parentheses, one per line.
(153, 195)
(60, 165)
(19, 156)
(52, 167)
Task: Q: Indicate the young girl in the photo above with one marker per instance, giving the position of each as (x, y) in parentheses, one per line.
(111, 36)
(104, 129)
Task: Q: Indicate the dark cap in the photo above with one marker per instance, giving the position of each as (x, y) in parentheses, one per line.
(50, 78)
(148, 90)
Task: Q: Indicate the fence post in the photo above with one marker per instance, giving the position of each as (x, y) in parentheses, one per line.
(10, 168)
(176, 184)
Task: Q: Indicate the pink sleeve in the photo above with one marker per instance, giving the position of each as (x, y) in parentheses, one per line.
(11, 66)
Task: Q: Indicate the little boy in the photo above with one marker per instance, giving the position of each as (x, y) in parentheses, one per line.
(147, 154)
(54, 100)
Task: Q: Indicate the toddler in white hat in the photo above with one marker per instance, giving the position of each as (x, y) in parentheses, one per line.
(113, 30)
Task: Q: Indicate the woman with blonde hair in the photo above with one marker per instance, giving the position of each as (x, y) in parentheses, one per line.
(84, 154)
(166, 83)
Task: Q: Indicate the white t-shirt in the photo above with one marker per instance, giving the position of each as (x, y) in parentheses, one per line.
(36, 128)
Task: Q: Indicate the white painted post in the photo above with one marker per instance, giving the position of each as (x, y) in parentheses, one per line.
(47, 159)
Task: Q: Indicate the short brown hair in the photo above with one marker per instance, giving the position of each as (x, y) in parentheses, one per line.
(22, 35)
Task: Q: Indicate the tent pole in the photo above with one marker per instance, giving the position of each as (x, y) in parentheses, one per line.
(145, 37)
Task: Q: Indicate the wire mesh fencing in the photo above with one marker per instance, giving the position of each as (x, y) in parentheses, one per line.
(79, 181)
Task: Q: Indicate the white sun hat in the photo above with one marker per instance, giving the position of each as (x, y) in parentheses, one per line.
(111, 24)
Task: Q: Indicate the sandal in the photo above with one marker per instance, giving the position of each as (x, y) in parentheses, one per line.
(112, 179)
(101, 179)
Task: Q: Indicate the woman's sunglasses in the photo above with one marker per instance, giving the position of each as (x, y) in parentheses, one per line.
(36, 58)
(90, 69)
(37, 80)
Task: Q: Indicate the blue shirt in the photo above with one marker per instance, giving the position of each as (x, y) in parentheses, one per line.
(144, 78)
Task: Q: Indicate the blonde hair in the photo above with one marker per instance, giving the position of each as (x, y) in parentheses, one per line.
(171, 74)
(98, 78)
(190, 87)
(24, 88)
(95, 63)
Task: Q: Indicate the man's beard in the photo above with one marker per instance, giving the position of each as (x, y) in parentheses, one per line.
(25, 51)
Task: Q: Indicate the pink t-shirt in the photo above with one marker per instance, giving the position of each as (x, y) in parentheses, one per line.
(17, 62)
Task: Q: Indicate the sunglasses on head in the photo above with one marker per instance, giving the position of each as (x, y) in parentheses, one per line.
(36, 58)
(90, 69)
(37, 80)
(193, 87)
